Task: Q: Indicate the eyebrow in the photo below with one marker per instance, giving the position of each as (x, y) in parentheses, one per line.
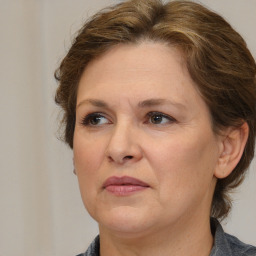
(94, 102)
(142, 104)
(157, 102)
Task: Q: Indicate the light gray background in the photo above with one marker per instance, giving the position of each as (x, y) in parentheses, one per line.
(41, 211)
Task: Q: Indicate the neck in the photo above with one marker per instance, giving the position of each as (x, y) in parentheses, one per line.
(189, 239)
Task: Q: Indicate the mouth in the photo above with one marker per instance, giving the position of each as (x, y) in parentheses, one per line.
(123, 186)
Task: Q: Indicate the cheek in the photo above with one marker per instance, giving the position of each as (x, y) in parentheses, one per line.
(87, 153)
(88, 156)
(86, 162)
(184, 173)
(184, 162)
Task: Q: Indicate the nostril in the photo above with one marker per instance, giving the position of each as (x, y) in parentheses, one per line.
(128, 157)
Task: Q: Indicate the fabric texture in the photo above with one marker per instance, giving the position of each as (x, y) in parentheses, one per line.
(224, 244)
(227, 245)
(93, 249)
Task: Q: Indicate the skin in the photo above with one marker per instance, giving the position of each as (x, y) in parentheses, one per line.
(174, 151)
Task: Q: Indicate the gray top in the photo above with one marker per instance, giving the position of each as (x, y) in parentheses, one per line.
(224, 244)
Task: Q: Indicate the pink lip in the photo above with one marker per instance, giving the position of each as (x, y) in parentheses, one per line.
(123, 186)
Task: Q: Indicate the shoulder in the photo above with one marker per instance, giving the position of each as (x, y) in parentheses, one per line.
(240, 248)
(228, 245)
(93, 249)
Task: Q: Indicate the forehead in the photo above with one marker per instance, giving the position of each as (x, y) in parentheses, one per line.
(145, 70)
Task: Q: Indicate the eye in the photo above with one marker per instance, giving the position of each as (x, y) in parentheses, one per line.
(95, 119)
(159, 118)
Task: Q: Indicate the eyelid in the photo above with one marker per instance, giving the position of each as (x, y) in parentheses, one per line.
(160, 114)
(168, 117)
(86, 119)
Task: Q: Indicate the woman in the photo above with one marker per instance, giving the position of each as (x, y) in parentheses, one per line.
(159, 108)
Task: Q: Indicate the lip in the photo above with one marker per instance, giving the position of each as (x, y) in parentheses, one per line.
(123, 186)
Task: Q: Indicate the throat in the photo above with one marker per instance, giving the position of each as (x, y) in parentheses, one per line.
(163, 243)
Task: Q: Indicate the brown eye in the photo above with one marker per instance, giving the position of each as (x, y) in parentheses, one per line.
(95, 119)
(159, 118)
(156, 119)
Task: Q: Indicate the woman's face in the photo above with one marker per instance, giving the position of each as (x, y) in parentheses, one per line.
(144, 150)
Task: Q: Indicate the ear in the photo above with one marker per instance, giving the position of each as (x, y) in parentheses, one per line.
(232, 146)
(74, 170)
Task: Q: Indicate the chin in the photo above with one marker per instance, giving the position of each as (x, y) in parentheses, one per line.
(124, 220)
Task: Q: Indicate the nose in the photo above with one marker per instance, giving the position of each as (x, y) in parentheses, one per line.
(124, 146)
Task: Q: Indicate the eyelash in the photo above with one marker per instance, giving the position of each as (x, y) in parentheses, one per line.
(152, 114)
(87, 120)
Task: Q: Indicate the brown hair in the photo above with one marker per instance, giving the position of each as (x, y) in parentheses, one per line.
(216, 56)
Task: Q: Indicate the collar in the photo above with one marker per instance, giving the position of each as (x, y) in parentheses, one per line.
(224, 244)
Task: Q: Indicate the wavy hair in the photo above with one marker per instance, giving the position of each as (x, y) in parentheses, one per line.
(216, 57)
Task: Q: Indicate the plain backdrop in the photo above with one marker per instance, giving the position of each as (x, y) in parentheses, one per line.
(41, 213)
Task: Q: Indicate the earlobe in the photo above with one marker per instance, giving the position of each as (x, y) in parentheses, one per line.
(232, 148)
(74, 170)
